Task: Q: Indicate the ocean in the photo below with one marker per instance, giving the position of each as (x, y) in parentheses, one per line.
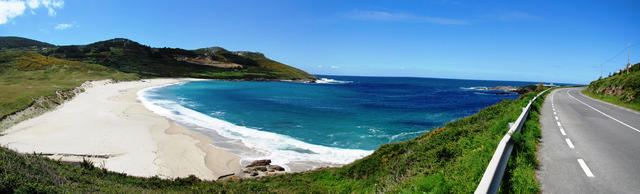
(332, 122)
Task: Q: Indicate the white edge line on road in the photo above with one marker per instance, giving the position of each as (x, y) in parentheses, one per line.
(559, 125)
(562, 131)
(585, 168)
(557, 118)
(569, 143)
(603, 113)
(614, 105)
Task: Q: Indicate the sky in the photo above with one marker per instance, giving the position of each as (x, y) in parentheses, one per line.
(541, 41)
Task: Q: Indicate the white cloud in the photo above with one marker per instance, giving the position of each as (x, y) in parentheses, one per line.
(390, 16)
(33, 4)
(57, 4)
(63, 26)
(10, 9)
(320, 66)
(51, 5)
(335, 67)
(51, 11)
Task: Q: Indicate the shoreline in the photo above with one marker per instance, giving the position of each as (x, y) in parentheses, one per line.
(252, 144)
(108, 125)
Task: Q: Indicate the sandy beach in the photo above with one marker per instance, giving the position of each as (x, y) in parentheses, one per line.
(109, 126)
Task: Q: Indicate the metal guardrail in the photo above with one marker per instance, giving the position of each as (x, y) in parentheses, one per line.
(493, 175)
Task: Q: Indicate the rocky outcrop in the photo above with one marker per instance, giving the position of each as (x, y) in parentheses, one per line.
(275, 168)
(505, 88)
(617, 91)
(259, 163)
(205, 60)
(508, 90)
(260, 168)
(611, 90)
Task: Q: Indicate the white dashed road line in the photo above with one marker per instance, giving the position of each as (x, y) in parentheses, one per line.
(581, 162)
(569, 143)
(585, 168)
(562, 131)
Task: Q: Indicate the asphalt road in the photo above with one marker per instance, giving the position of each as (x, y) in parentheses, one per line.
(588, 146)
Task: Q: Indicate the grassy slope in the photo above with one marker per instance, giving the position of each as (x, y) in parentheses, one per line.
(451, 159)
(630, 88)
(25, 75)
(132, 57)
(520, 176)
(19, 42)
(280, 70)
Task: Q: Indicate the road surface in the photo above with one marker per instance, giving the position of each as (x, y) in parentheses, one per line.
(588, 146)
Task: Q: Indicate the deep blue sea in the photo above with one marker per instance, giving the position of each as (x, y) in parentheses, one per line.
(338, 120)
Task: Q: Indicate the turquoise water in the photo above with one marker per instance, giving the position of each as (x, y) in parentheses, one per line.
(336, 121)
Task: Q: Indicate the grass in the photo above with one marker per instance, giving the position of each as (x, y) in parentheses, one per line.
(612, 99)
(131, 57)
(451, 159)
(621, 88)
(25, 75)
(520, 175)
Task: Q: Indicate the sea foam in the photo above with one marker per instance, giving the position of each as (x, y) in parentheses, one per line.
(331, 81)
(281, 149)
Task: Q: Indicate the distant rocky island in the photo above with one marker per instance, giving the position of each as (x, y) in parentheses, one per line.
(506, 90)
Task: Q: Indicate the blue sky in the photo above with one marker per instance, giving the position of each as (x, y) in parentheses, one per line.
(551, 41)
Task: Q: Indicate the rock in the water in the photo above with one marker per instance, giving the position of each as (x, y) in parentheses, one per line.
(260, 168)
(276, 167)
(260, 163)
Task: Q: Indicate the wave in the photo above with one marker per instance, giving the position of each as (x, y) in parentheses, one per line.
(331, 81)
(281, 149)
(475, 88)
(394, 137)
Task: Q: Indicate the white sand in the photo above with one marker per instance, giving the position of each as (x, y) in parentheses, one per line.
(107, 120)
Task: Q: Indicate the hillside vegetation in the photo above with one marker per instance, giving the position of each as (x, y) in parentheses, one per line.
(451, 159)
(621, 88)
(131, 57)
(27, 75)
(7, 42)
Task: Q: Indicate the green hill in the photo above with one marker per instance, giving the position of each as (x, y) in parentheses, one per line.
(132, 57)
(620, 88)
(9, 42)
